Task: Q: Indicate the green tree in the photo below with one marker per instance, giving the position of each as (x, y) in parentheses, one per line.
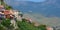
(42, 27)
(8, 7)
(22, 25)
(7, 23)
(2, 27)
(26, 26)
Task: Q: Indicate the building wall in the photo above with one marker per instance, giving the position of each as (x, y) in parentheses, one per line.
(49, 28)
(17, 16)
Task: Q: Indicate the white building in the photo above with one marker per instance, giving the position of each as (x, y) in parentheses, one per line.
(49, 28)
(16, 13)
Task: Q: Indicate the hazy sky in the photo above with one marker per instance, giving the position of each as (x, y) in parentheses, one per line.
(32, 0)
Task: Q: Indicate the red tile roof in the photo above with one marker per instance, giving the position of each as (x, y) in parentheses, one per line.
(1, 6)
(7, 12)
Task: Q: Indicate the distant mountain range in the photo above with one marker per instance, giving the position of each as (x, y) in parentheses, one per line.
(47, 8)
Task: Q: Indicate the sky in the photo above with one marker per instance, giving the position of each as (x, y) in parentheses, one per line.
(32, 0)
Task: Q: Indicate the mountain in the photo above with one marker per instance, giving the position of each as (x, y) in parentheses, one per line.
(48, 8)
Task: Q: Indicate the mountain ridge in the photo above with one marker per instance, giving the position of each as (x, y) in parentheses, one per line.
(48, 8)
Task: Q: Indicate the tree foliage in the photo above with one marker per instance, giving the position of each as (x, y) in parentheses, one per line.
(6, 23)
(8, 7)
(27, 26)
(22, 25)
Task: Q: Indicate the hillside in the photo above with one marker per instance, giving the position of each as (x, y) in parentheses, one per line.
(22, 25)
(47, 8)
(10, 20)
(50, 10)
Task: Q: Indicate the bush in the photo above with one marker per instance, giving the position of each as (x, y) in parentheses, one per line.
(22, 25)
(7, 23)
(42, 27)
(26, 26)
(8, 7)
(2, 27)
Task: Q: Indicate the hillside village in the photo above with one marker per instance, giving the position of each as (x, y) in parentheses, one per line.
(15, 15)
(9, 14)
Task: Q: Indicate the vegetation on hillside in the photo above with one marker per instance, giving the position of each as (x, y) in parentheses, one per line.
(5, 24)
(22, 25)
(7, 7)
